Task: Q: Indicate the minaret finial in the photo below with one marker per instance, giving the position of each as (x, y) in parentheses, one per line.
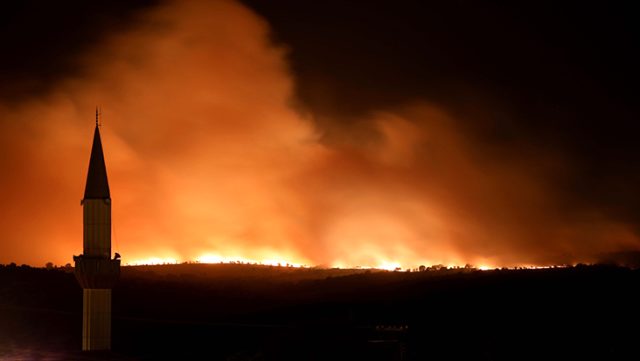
(98, 115)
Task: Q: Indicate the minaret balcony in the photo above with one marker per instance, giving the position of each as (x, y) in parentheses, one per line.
(96, 272)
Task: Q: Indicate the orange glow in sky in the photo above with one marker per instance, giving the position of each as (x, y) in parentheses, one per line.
(209, 161)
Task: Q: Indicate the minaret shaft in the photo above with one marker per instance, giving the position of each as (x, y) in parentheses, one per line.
(97, 227)
(96, 319)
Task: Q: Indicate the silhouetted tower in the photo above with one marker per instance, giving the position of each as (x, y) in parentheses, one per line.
(95, 270)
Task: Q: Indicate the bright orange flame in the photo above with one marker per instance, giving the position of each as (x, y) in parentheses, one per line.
(389, 266)
(151, 261)
(214, 258)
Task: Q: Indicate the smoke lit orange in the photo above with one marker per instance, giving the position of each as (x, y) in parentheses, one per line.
(208, 161)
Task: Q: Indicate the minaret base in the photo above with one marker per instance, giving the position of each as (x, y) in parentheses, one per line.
(96, 319)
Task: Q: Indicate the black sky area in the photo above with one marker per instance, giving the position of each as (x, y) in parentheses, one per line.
(559, 77)
(42, 40)
(556, 76)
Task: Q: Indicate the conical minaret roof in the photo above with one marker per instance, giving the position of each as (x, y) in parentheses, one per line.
(97, 182)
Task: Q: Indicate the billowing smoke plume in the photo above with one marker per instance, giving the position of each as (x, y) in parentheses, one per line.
(207, 159)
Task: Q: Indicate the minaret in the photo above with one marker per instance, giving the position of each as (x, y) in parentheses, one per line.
(95, 270)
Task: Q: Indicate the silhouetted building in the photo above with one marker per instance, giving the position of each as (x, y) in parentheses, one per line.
(95, 270)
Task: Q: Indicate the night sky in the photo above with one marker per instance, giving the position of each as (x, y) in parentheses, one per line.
(344, 133)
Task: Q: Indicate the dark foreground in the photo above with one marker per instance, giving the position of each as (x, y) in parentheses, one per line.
(241, 312)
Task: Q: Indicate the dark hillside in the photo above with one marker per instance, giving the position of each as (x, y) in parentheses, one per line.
(244, 312)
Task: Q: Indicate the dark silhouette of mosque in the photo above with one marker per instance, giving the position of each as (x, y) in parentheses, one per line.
(94, 269)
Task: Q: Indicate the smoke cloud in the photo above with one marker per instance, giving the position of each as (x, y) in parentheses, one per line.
(208, 159)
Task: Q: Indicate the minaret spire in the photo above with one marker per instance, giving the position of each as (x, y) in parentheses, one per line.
(97, 186)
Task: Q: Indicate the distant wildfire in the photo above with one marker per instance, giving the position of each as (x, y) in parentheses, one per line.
(208, 161)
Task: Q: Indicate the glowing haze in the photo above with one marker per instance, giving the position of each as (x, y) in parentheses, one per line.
(208, 160)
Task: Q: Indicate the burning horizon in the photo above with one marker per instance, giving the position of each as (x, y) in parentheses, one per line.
(210, 159)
